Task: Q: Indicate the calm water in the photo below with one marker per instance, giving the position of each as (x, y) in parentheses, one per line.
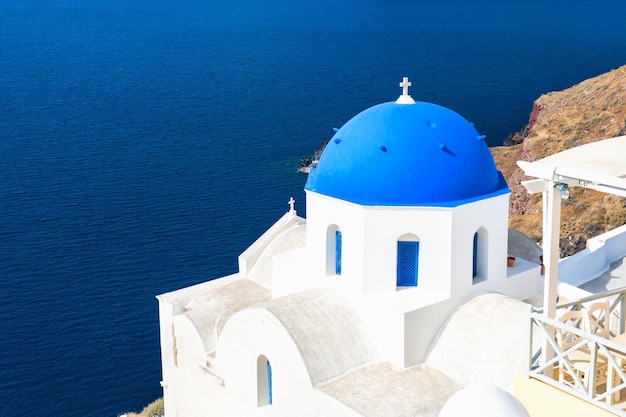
(144, 145)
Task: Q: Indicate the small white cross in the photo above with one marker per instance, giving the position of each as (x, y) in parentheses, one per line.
(405, 98)
(405, 84)
(291, 203)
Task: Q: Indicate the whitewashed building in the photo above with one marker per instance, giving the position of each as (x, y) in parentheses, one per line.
(341, 314)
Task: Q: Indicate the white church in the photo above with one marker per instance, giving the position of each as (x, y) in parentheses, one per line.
(382, 302)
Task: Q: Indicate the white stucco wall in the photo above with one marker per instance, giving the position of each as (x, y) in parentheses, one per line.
(309, 338)
(370, 236)
(256, 261)
(323, 214)
(294, 272)
(280, 312)
(490, 216)
(194, 388)
(186, 390)
(189, 383)
(470, 334)
(237, 364)
(406, 320)
(596, 259)
(166, 334)
(384, 226)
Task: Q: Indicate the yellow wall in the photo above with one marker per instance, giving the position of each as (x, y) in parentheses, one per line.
(543, 400)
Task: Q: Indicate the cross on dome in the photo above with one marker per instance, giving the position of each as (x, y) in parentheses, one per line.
(292, 204)
(405, 84)
(405, 98)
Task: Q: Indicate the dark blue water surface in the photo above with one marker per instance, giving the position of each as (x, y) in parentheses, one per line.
(144, 145)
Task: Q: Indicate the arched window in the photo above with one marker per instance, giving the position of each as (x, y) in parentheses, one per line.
(407, 261)
(264, 381)
(479, 256)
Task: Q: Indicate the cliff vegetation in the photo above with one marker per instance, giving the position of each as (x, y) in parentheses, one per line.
(154, 409)
(592, 110)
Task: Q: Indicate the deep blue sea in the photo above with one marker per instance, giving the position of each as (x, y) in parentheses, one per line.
(145, 144)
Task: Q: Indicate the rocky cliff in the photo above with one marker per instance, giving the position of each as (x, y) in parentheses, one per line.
(590, 111)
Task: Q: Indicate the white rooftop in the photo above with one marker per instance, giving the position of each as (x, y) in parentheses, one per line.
(599, 165)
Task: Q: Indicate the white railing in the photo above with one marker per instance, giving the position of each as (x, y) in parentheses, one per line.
(604, 371)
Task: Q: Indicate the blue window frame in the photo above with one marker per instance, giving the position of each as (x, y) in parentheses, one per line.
(408, 255)
(475, 257)
(338, 246)
(269, 382)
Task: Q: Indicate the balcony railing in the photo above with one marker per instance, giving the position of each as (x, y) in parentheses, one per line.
(579, 361)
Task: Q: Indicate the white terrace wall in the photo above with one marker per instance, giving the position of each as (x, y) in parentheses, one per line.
(596, 259)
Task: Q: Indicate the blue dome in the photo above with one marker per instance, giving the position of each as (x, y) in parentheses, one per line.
(417, 154)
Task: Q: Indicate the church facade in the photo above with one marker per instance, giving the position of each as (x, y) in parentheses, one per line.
(407, 222)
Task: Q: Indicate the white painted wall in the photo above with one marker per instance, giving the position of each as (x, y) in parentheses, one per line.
(169, 378)
(182, 353)
(194, 389)
(186, 390)
(596, 259)
(490, 216)
(247, 335)
(383, 228)
(400, 323)
(370, 236)
(406, 320)
(324, 214)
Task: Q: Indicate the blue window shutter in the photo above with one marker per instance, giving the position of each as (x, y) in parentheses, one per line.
(269, 382)
(338, 252)
(475, 257)
(408, 255)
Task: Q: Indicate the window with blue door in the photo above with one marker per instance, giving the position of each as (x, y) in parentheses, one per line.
(338, 250)
(407, 263)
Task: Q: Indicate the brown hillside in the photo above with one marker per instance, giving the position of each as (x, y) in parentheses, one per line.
(590, 111)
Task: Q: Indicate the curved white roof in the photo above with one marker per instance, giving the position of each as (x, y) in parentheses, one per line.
(327, 332)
